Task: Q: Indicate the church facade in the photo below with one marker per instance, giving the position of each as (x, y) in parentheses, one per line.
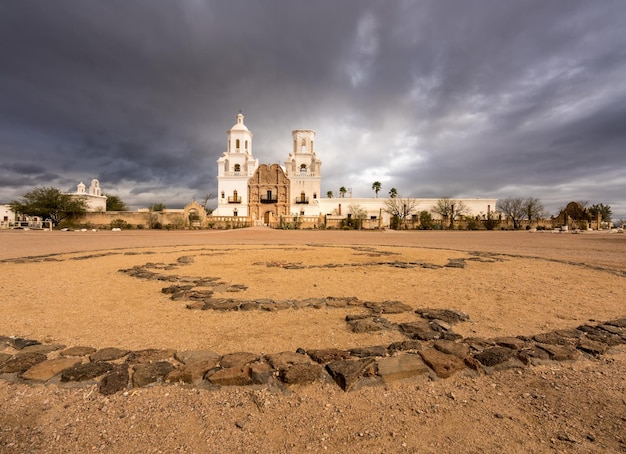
(265, 193)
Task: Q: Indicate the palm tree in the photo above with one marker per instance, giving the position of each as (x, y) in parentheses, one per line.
(342, 191)
(329, 194)
(393, 193)
(376, 187)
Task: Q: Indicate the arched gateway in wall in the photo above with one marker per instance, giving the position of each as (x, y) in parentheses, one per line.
(268, 193)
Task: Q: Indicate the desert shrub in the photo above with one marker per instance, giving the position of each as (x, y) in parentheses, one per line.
(119, 224)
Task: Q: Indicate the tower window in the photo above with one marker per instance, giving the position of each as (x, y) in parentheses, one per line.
(237, 168)
(237, 145)
(303, 169)
(246, 144)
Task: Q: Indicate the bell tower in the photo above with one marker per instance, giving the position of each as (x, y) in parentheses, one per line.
(303, 168)
(234, 168)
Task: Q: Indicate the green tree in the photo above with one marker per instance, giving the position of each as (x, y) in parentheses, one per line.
(50, 203)
(342, 191)
(115, 203)
(449, 209)
(157, 207)
(601, 209)
(357, 215)
(376, 187)
(513, 208)
(426, 220)
(393, 193)
(329, 194)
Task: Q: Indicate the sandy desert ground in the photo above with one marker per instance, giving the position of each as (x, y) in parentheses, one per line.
(67, 288)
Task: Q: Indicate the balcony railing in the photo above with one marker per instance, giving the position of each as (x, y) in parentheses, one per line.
(302, 200)
(266, 199)
(234, 199)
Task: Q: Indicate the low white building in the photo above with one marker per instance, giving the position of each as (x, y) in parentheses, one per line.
(7, 217)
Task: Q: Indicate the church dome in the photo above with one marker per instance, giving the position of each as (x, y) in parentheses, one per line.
(239, 126)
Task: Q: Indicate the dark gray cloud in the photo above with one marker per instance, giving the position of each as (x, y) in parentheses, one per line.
(472, 99)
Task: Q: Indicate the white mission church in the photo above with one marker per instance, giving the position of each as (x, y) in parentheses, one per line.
(264, 192)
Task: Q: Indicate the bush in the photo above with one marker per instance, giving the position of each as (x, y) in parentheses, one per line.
(119, 224)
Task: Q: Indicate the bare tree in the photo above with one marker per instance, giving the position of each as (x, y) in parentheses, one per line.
(513, 208)
(449, 209)
(205, 200)
(400, 209)
(533, 208)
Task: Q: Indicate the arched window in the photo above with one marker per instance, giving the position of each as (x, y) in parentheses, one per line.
(237, 168)
(223, 195)
(303, 169)
(246, 144)
(237, 145)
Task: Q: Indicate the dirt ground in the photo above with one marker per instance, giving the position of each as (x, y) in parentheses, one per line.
(67, 288)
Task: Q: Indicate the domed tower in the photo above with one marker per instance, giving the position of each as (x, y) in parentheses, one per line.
(234, 168)
(303, 168)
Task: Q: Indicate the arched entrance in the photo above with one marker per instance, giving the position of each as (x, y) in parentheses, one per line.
(267, 217)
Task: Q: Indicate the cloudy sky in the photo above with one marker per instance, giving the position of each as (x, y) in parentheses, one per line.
(435, 98)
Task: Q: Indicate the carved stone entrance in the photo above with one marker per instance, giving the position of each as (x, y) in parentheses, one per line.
(268, 193)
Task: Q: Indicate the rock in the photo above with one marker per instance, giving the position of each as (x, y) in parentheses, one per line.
(447, 315)
(300, 374)
(455, 263)
(560, 352)
(45, 370)
(613, 329)
(196, 306)
(366, 325)
(21, 362)
(620, 322)
(591, 346)
(284, 360)
(261, 373)
(114, 381)
(473, 364)
(77, 351)
(412, 344)
(231, 376)
(221, 304)
(419, 330)
(569, 333)
(82, 372)
(400, 367)
(440, 326)
(4, 357)
(190, 373)
(510, 342)
(107, 354)
(144, 374)
(395, 307)
(347, 372)
(42, 348)
(18, 343)
(551, 338)
(327, 355)
(237, 359)
(149, 355)
(248, 306)
(366, 352)
(452, 348)
(494, 355)
(193, 356)
(443, 364)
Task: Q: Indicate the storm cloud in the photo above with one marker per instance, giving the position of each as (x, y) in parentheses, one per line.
(440, 98)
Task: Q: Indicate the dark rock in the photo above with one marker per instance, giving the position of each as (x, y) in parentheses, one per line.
(347, 372)
(569, 333)
(232, 376)
(612, 329)
(366, 325)
(452, 348)
(447, 315)
(248, 306)
(114, 381)
(412, 344)
(478, 343)
(196, 306)
(532, 354)
(107, 354)
(419, 330)
(4, 357)
(144, 374)
(560, 352)
(400, 367)
(238, 359)
(513, 343)
(300, 374)
(443, 364)
(82, 372)
(494, 355)
(620, 322)
(366, 352)
(455, 263)
(185, 260)
(221, 304)
(591, 346)
(327, 355)
(473, 364)
(149, 355)
(285, 360)
(21, 362)
(45, 370)
(440, 326)
(18, 343)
